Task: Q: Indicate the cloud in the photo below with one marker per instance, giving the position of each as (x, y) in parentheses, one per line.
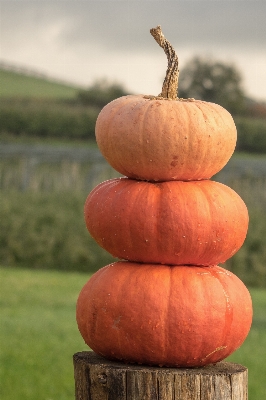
(82, 40)
(119, 24)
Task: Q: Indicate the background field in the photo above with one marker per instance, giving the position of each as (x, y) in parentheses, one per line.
(39, 336)
(48, 164)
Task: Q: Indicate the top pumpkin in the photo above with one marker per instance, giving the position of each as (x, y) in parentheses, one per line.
(159, 140)
(149, 138)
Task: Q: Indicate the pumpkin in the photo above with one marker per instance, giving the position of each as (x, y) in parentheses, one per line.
(175, 222)
(164, 315)
(159, 140)
(162, 138)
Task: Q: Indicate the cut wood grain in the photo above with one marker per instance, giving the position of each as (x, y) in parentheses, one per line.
(99, 379)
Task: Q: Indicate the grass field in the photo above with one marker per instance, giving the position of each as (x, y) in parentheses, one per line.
(39, 336)
(15, 84)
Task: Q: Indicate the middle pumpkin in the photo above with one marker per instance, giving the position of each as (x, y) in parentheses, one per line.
(180, 223)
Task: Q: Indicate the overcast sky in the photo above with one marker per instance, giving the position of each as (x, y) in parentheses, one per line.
(81, 41)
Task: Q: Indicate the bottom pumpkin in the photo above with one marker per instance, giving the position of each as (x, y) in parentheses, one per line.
(176, 316)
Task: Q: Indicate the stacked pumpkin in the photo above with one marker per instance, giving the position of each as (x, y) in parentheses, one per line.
(168, 303)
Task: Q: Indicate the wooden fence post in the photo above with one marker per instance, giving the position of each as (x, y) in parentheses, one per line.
(99, 379)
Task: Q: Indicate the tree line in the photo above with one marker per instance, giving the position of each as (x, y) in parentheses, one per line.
(75, 118)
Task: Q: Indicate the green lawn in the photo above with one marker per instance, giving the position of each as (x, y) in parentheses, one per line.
(38, 336)
(252, 353)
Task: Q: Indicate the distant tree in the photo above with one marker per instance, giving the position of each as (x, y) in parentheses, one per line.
(214, 81)
(100, 93)
(256, 109)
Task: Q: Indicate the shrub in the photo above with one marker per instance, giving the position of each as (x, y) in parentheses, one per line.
(46, 230)
(43, 118)
(251, 134)
(101, 93)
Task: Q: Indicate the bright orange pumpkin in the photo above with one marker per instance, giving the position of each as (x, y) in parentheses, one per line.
(198, 222)
(161, 315)
(162, 140)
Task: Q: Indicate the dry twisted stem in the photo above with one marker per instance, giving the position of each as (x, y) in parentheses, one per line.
(170, 84)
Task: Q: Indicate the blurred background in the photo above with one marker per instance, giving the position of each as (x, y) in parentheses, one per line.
(60, 63)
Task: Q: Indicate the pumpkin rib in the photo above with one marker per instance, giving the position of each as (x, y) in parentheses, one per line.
(115, 140)
(206, 161)
(185, 143)
(210, 216)
(149, 225)
(218, 193)
(122, 289)
(105, 123)
(211, 118)
(143, 128)
(95, 280)
(201, 213)
(229, 311)
(166, 316)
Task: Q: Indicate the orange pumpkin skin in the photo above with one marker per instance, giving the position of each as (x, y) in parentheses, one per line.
(164, 315)
(198, 222)
(162, 140)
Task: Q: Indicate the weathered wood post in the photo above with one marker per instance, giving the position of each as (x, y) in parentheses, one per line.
(99, 379)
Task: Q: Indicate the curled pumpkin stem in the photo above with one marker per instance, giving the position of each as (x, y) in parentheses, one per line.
(170, 84)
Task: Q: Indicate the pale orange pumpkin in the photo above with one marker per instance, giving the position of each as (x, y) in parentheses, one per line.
(161, 315)
(198, 222)
(160, 140)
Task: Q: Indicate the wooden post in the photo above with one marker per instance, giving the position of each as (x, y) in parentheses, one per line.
(99, 379)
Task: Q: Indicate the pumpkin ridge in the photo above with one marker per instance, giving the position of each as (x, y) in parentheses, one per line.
(204, 151)
(185, 144)
(229, 313)
(146, 192)
(160, 221)
(214, 115)
(90, 328)
(119, 320)
(129, 205)
(106, 124)
(167, 317)
(202, 271)
(203, 203)
(204, 159)
(120, 160)
(144, 129)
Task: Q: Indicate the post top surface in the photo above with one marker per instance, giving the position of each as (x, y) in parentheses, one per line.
(223, 367)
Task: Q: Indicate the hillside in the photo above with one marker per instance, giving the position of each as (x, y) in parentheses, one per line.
(19, 84)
